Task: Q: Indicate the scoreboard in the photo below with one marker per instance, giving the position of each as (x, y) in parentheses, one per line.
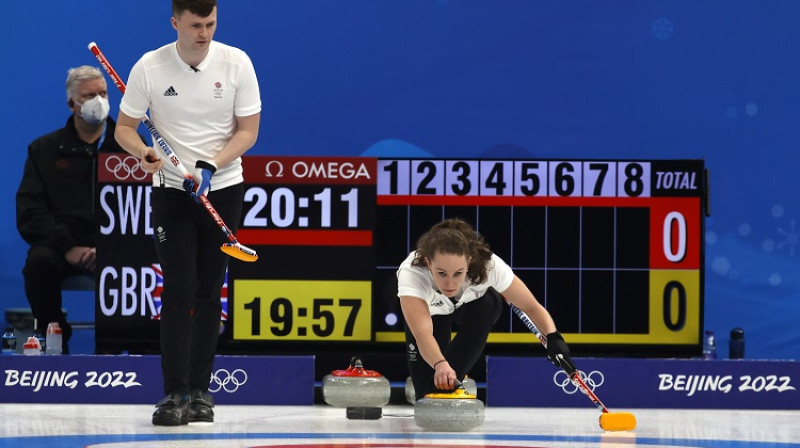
(612, 248)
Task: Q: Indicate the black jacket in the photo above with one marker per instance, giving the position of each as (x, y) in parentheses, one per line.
(56, 197)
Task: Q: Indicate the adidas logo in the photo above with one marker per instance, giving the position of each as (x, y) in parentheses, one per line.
(170, 92)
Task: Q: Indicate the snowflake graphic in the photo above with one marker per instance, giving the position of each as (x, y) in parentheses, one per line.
(791, 237)
(663, 28)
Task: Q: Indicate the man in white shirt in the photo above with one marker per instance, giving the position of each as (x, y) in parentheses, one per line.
(203, 97)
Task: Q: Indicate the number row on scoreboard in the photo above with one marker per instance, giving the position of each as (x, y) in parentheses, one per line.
(404, 177)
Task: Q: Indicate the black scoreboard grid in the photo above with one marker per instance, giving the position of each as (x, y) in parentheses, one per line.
(612, 248)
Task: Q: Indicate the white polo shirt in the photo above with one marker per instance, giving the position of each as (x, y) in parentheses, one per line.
(195, 112)
(417, 281)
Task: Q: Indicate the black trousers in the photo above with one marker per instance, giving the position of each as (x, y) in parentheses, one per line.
(475, 320)
(188, 244)
(43, 272)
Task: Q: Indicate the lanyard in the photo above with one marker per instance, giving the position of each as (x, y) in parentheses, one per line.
(102, 136)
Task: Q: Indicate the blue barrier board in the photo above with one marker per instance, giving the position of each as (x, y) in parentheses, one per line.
(131, 379)
(646, 383)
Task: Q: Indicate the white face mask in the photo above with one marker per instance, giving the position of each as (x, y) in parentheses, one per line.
(95, 111)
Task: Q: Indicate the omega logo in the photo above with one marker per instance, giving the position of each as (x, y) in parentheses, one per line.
(318, 170)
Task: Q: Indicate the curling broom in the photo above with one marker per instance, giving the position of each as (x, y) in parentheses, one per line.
(233, 247)
(609, 421)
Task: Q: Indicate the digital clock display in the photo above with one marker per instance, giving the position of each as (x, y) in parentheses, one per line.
(312, 222)
(283, 207)
(303, 310)
(308, 201)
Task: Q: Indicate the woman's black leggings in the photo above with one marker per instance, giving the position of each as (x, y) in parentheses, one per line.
(475, 320)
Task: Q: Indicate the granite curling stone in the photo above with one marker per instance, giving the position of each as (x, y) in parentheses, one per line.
(455, 411)
(470, 385)
(410, 391)
(355, 387)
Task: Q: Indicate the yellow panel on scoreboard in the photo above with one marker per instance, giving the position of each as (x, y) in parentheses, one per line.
(302, 310)
(674, 306)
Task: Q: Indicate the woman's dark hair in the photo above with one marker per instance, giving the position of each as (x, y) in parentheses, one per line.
(455, 236)
(201, 8)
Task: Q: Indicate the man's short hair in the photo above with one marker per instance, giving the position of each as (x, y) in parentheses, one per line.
(201, 8)
(77, 75)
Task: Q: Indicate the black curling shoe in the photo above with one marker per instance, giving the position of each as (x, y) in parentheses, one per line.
(172, 410)
(201, 407)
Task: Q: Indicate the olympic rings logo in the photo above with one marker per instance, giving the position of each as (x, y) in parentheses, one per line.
(222, 379)
(593, 380)
(124, 168)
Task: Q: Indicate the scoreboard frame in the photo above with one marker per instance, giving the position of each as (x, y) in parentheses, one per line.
(612, 248)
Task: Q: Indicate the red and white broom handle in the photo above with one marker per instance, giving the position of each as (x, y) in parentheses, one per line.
(574, 373)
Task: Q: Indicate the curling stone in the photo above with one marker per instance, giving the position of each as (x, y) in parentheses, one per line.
(355, 387)
(469, 384)
(410, 391)
(455, 411)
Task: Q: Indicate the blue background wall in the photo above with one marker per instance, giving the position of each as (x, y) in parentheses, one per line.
(716, 80)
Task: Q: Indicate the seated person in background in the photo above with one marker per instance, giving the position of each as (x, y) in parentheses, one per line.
(56, 197)
(454, 278)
